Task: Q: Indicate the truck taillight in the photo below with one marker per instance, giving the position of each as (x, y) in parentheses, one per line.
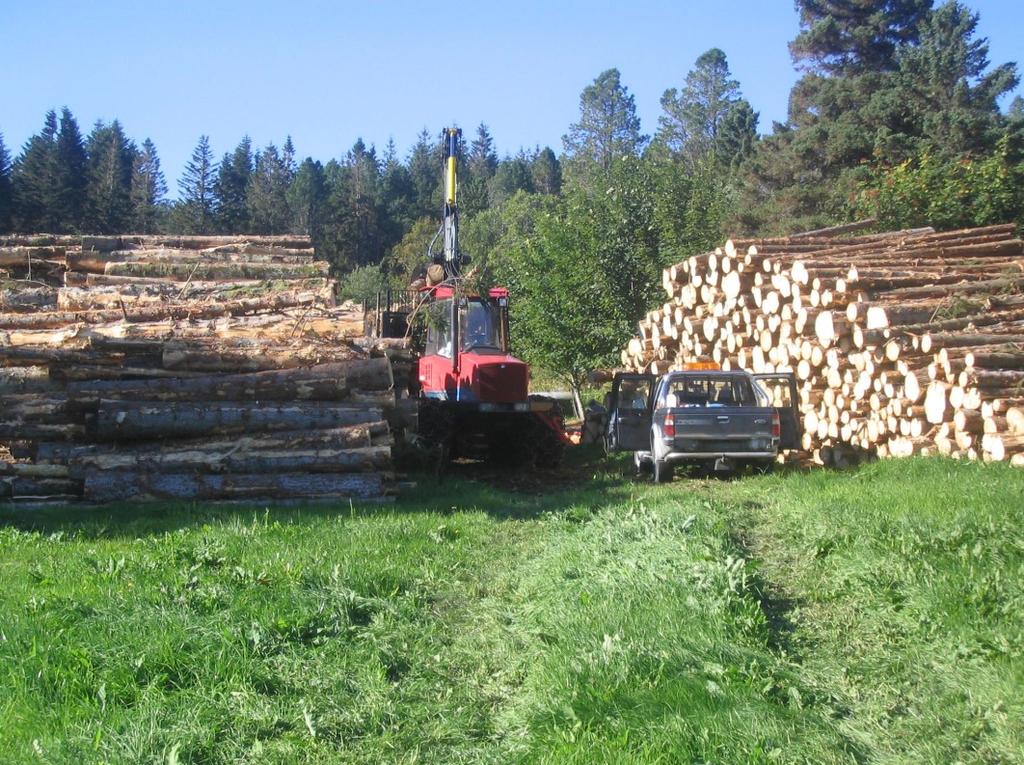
(669, 429)
(776, 426)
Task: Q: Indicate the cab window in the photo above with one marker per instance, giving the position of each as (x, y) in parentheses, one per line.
(479, 326)
(439, 329)
(710, 391)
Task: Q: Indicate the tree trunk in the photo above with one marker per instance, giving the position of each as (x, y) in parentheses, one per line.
(125, 420)
(322, 382)
(121, 486)
(206, 271)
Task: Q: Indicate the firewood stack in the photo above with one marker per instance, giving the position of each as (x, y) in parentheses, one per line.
(905, 342)
(199, 368)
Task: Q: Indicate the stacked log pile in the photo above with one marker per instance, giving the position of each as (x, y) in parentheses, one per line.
(905, 342)
(148, 367)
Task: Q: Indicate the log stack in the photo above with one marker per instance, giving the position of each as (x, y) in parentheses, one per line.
(198, 368)
(903, 342)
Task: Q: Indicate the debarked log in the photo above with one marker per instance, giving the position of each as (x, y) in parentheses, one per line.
(240, 458)
(126, 420)
(119, 486)
(116, 456)
(325, 382)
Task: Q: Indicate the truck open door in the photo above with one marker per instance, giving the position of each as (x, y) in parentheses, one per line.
(629, 412)
(782, 392)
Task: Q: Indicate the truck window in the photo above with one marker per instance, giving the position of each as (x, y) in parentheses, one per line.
(710, 391)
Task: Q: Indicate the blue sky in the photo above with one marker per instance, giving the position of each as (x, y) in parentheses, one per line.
(329, 72)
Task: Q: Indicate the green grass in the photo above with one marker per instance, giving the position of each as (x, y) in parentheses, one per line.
(871, 616)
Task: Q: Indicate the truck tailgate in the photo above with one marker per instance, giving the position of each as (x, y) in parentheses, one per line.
(722, 429)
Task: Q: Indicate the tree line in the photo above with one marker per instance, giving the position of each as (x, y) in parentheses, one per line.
(895, 116)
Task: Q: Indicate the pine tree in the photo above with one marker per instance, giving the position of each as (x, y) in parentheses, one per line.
(111, 160)
(267, 194)
(425, 174)
(691, 119)
(148, 190)
(33, 179)
(513, 176)
(306, 196)
(849, 37)
(877, 77)
(736, 136)
(197, 187)
(6, 189)
(288, 157)
(608, 127)
(232, 187)
(1016, 110)
(944, 81)
(546, 172)
(397, 197)
(482, 160)
(71, 176)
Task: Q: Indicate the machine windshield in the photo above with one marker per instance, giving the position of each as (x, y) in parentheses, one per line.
(479, 326)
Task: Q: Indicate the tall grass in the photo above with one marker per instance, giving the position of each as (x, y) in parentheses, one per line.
(870, 616)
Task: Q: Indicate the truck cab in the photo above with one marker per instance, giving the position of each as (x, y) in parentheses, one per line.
(722, 419)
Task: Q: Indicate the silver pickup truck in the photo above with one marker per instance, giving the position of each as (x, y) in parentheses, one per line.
(722, 420)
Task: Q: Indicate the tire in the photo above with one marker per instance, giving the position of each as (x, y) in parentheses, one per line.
(642, 466)
(662, 468)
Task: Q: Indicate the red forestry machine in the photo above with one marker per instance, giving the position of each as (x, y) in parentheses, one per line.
(472, 393)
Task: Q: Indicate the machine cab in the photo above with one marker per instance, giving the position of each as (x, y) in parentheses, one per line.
(466, 356)
(482, 326)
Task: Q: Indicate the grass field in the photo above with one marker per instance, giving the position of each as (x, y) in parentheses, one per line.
(869, 616)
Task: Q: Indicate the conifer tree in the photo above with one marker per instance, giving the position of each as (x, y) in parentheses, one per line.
(513, 175)
(267, 193)
(70, 176)
(482, 159)
(945, 81)
(425, 175)
(306, 199)
(608, 127)
(111, 160)
(736, 136)
(6, 190)
(546, 172)
(232, 187)
(148, 190)
(198, 197)
(692, 117)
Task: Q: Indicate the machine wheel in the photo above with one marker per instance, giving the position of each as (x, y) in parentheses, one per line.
(550, 447)
(435, 433)
(510, 443)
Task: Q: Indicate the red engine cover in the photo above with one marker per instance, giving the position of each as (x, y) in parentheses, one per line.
(490, 378)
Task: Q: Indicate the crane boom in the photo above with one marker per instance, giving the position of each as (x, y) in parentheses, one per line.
(451, 256)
